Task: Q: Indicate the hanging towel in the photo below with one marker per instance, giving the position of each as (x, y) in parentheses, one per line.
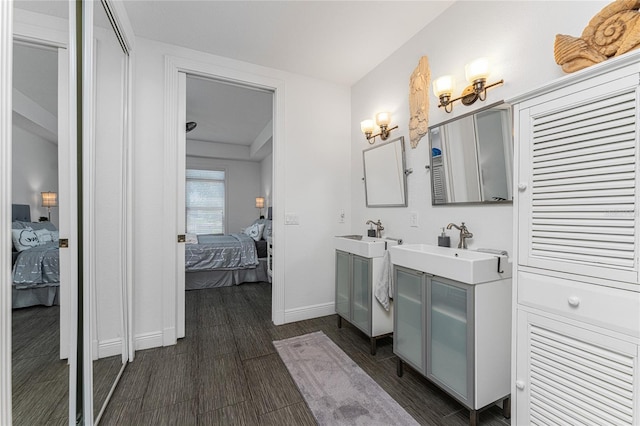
(384, 287)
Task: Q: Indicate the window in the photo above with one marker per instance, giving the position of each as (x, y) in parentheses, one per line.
(205, 199)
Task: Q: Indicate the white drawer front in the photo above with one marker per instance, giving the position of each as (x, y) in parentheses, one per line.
(611, 308)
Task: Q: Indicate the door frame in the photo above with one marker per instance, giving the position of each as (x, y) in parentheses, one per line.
(173, 304)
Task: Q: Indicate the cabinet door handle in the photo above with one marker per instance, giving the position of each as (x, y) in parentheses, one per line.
(522, 187)
(574, 301)
(519, 384)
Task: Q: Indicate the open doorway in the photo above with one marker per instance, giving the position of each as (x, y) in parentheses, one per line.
(228, 184)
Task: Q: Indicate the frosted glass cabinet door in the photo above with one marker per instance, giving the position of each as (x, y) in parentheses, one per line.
(343, 274)
(449, 336)
(361, 273)
(409, 318)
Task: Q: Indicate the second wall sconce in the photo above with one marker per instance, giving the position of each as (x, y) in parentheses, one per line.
(476, 73)
(383, 120)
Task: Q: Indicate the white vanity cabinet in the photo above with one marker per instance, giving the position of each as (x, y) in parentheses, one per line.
(355, 301)
(577, 293)
(455, 334)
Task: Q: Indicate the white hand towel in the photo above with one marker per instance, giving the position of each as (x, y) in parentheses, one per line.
(383, 287)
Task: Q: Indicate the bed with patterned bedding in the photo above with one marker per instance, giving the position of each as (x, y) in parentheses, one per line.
(226, 260)
(36, 264)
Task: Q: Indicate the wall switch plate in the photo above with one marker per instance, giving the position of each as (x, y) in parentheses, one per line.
(341, 216)
(291, 219)
(413, 219)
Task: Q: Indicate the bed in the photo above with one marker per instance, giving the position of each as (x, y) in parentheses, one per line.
(36, 265)
(226, 260)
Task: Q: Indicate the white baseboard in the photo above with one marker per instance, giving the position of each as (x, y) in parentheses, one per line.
(308, 312)
(148, 341)
(110, 347)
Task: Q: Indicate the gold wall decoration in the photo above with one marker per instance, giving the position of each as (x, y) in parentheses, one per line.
(613, 31)
(419, 101)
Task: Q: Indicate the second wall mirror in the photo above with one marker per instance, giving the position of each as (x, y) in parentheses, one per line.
(472, 157)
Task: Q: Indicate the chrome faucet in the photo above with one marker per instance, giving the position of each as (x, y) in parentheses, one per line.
(464, 234)
(379, 227)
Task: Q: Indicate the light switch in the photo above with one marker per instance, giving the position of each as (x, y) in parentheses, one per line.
(291, 219)
(413, 219)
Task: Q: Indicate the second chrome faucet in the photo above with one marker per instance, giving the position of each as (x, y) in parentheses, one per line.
(464, 234)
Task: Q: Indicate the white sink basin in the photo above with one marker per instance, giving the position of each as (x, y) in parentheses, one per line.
(466, 266)
(361, 245)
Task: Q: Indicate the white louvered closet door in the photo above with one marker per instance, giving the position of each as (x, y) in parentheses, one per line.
(577, 182)
(573, 376)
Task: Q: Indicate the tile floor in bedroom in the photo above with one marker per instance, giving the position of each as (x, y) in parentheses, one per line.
(226, 371)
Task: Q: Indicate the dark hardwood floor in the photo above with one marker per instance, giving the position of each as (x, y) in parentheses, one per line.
(227, 372)
(40, 380)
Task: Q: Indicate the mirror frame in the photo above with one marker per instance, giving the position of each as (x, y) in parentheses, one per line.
(404, 170)
(508, 172)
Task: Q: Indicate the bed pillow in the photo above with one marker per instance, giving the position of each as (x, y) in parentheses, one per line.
(17, 225)
(267, 229)
(55, 236)
(44, 236)
(24, 239)
(41, 225)
(255, 231)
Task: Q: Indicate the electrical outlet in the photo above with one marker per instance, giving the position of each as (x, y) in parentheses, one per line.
(291, 219)
(413, 219)
(341, 216)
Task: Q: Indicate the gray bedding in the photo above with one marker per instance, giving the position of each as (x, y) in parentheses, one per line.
(225, 252)
(36, 266)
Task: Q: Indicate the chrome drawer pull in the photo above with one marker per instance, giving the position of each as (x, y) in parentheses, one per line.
(574, 301)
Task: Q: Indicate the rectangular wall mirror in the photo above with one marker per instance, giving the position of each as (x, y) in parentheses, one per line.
(385, 177)
(472, 158)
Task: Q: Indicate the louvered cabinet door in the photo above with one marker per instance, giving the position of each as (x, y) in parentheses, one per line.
(567, 375)
(577, 178)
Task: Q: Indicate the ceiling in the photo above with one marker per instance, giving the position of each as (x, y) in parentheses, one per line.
(338, 41)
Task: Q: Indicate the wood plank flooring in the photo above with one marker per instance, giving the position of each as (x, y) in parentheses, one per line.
(40, 380)
(227, 372)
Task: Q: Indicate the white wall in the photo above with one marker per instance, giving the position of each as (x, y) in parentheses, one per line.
(266, 172)
(243, 186)
(312, 160)
(35, 170)
(518, 38)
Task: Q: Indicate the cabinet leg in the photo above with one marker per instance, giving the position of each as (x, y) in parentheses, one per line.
(399, 367)
(474, 417)
(372, 342)
(339, 321)
(506, 407)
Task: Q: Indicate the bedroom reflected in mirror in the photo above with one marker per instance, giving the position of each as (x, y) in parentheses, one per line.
(40, 309)
(472, 158)
(385, 174)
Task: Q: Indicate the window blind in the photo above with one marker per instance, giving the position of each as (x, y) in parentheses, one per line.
(205, 201)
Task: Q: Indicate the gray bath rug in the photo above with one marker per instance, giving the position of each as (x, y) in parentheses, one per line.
(336, 389)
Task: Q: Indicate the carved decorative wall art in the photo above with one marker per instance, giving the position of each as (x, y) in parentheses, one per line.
(613, 31)
(419, 101)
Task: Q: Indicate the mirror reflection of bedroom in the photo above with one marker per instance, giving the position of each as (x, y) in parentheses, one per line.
(228, 199)
(40, 377)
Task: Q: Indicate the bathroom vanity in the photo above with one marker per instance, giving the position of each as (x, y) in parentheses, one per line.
(452, 321)
(359, 266)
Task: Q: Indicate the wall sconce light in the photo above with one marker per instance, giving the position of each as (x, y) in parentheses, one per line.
(260, 205)
(383, 120)
(476, 73)
(49, 199)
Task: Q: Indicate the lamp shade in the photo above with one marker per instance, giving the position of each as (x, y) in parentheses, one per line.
(477, 70)
(366, 126)
(383, 118)
(443, 86)
(259, 202)
(49, 199)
